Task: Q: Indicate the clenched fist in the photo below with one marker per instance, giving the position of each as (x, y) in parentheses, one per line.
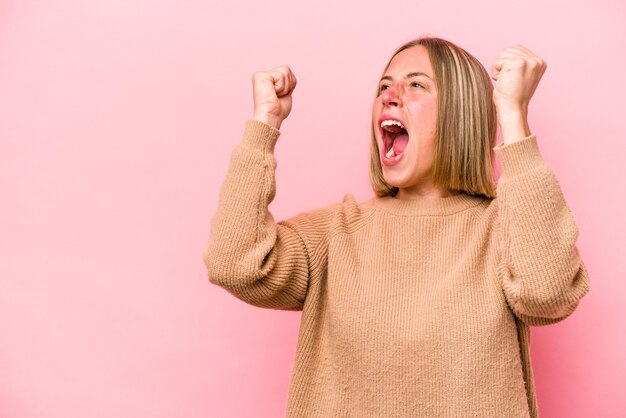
(517, 72)
(272, 95)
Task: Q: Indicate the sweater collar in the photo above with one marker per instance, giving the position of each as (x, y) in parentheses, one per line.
(427, 206)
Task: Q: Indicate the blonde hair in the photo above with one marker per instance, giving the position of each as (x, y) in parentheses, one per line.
(466, 123)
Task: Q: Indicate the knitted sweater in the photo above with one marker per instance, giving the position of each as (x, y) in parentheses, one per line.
(410, 308)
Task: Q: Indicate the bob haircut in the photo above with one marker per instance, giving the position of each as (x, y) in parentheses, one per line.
(466, 124)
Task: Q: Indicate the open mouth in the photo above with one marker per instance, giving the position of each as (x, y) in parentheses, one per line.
(395, 138)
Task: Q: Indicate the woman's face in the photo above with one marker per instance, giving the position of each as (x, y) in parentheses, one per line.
(404, 117)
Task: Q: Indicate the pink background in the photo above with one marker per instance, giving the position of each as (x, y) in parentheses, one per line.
(117, 119)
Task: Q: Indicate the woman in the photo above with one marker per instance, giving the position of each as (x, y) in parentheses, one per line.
(416, 302)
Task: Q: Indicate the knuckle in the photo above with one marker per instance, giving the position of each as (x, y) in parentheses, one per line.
(518, 63)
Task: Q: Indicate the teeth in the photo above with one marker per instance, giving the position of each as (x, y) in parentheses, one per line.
(389, 153)
(390, 122)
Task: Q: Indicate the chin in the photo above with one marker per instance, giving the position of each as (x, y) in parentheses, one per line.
(394, 181)
(403, 177)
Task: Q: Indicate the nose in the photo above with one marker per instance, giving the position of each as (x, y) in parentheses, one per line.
(390, 97)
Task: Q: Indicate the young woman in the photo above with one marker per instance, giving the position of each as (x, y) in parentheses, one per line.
(416, 302)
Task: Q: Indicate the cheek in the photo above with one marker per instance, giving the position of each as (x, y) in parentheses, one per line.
(432, 109)
(376, 107)
(424, 118)
(427, 109)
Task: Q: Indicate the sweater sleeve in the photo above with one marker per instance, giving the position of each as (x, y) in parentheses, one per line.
(540, 268)
(259, 261)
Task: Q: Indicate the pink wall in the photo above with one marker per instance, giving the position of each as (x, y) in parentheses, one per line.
(117, 119)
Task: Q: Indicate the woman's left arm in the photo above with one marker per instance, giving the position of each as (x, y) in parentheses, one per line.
(543, 276)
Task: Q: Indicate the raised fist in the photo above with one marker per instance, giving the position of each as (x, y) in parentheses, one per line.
(272, 95)
(517, 72)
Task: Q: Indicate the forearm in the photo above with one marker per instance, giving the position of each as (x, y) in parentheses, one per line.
(246, 253)
(513, 125)
(542, 273)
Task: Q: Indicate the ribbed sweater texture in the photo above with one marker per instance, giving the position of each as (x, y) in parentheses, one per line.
(410, 308)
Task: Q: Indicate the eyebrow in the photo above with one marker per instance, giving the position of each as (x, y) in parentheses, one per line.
(409, 75)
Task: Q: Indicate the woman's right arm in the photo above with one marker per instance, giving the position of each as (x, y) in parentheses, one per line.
(262, 262)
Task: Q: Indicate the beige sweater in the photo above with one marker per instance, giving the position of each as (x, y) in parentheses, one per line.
(410, 308)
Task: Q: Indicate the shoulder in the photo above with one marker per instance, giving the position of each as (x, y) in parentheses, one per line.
(355, 214)
(341, 216)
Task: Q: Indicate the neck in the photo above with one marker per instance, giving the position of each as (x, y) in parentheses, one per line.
(425, 193)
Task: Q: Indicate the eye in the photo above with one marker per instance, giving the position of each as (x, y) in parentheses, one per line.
(383, 87)
(416, 84)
